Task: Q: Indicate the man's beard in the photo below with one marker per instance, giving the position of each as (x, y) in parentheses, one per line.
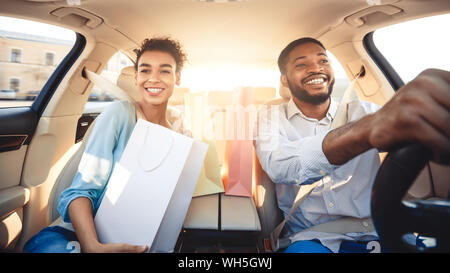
(304, 96)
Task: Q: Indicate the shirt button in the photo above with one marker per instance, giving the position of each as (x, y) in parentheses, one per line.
(321, 172)
(331, 204)
(297, 181)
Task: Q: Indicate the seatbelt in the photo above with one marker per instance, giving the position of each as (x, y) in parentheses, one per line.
(106, 85)
(342, 225)
(341, 116)
(302, 193)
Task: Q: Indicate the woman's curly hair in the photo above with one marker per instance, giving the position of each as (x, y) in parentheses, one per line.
(164, 44)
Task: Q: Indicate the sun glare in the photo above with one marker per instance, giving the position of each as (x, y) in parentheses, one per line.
(227, 78)
(36, 28)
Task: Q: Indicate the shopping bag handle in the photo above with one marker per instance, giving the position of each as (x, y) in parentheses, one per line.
(153, 153)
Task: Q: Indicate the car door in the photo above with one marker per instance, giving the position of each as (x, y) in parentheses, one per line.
(23, 67)
(402, 58)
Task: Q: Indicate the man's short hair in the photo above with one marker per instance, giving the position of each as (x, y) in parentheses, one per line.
(164, 44)
(282, 59)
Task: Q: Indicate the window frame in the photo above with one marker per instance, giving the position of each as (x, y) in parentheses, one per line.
(45, 58)
(42, 99)
(383, 64)
(14, 78)
(11, 55)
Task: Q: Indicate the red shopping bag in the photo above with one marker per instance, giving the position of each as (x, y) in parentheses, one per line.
(238, 162)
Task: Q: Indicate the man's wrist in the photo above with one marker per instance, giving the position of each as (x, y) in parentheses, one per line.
(346, 142)
(361, 132)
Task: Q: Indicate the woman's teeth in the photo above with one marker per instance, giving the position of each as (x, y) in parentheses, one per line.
(154, 90)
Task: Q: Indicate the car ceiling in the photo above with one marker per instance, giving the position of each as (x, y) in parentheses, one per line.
(250, 31)
(247, 33)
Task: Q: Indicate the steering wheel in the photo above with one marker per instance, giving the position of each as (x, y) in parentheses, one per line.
(394, 219)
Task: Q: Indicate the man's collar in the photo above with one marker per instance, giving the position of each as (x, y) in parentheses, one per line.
(293, 110)
(332, 109)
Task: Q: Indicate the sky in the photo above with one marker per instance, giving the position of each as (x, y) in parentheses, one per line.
(35, 28)
(414, 46)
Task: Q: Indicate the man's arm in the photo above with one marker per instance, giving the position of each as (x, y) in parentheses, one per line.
(419, 112)
(346, 142)
(285, 160)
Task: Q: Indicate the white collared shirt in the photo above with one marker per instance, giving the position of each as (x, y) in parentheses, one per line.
(289, 148)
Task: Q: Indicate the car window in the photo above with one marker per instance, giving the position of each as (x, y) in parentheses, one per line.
(416, 45)
(341, 81)
(29, 53)
(98, 97)
(111, 72)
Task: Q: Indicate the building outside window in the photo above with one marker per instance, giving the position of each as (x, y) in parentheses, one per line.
(16, 55)
(14, 84)
(29, 53)
(49, 58)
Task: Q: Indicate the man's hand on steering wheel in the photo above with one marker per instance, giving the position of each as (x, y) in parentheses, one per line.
(419, 112)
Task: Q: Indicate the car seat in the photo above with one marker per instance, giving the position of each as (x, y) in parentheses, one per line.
(264, 193)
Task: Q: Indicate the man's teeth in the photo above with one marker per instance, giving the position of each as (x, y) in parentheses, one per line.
(315, 81)
(153, 90)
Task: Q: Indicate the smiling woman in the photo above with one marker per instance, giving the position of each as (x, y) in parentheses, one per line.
(156, 79)
(158, 65)
(159, 62)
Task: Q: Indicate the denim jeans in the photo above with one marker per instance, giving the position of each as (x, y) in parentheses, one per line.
(53, 239)
(314, 246)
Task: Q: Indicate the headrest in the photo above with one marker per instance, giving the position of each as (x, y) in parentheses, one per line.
(284, 92)
(263, 94)
(177, 97)
(285, 95)
(126, 81)
(220, 98)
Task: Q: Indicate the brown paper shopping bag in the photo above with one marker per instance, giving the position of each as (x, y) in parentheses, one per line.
(199, 123)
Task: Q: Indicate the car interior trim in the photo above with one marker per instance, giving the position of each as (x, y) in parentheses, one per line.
(58, 75)
(385, 67)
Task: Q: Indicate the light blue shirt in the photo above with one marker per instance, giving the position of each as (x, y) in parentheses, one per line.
(107, 141)
(289, 148)
(106, 144)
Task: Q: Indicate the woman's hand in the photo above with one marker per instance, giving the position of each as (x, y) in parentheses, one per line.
(80, 211)
(115, 248)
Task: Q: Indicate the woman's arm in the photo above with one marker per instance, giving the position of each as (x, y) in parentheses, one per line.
(77, 203)
(80, 211)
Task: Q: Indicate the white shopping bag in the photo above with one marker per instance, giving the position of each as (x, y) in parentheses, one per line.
(150, 189)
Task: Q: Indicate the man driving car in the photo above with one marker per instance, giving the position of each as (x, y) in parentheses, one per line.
(296, 146)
